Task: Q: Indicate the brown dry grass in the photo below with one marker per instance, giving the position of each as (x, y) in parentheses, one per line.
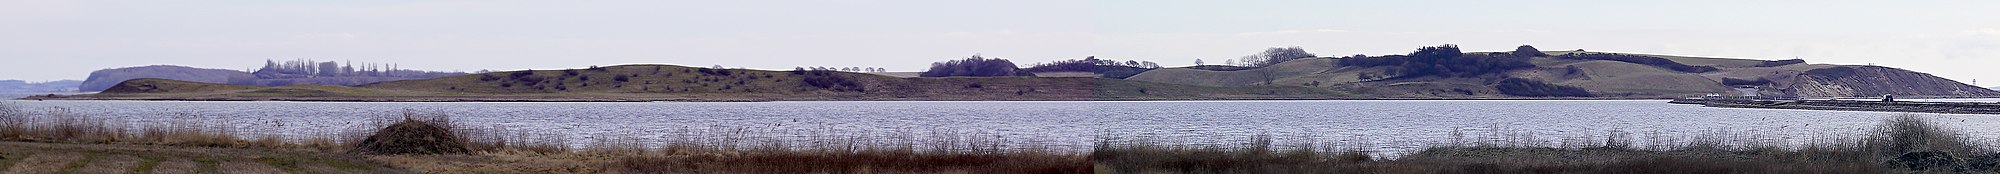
(869, 161)
(505, 151)
(1888, 149)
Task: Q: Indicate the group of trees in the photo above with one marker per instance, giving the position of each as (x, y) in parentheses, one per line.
(843, 69)
(975, 66)
(827, 79)
(1270, 57)
(1089, 64)
(309, 69)
(1443, 60)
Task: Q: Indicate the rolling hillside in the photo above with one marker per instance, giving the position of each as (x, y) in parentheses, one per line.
(679, 83)
(1601, 78)
(103, 79)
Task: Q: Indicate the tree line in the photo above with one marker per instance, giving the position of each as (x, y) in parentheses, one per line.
(309, 69)
(976, 66)
(1270, 56)
(843, 69)
(1444, 61)
(1089, 64)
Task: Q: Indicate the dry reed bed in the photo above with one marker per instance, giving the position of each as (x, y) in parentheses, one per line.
(1907, 143)
(1903, 143)
(498, 149)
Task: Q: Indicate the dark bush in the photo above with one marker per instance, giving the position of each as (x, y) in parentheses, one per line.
(519, 74)
(621, 78)
(1533, 88)
(488, 77)
(413, 136)
(1528, 51)
(1777, 63)
(1637, 59)
(713, 71)
(975, 66)
(830, 80)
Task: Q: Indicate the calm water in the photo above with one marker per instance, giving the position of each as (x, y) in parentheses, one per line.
(1386, 126)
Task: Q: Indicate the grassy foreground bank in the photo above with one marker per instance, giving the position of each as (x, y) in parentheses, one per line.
(1906, 143)
(57, 141)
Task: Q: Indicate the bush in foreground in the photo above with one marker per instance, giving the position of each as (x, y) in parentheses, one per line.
(412, 136)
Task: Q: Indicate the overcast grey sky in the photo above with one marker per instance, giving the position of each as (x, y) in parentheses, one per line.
(49, 40)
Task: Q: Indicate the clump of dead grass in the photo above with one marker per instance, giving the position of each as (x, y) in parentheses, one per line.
(432, 135)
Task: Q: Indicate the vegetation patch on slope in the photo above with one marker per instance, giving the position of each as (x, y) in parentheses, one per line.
(1533, 88)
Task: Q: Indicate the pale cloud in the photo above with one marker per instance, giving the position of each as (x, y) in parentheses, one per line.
(1989, 34)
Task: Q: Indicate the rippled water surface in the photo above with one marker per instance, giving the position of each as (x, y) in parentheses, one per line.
(1387, 126)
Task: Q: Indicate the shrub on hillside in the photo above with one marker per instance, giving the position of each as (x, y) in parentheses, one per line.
(828, 79)
(488, 77)
(714, 71)
(1533, 88)
(522, 73)
(975, 66)
(1528, 51)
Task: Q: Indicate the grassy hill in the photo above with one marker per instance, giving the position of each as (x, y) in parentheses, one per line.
(680, 83)
(1601, 78)
(102, 79)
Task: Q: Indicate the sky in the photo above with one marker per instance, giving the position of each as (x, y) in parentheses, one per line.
(43, 40)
